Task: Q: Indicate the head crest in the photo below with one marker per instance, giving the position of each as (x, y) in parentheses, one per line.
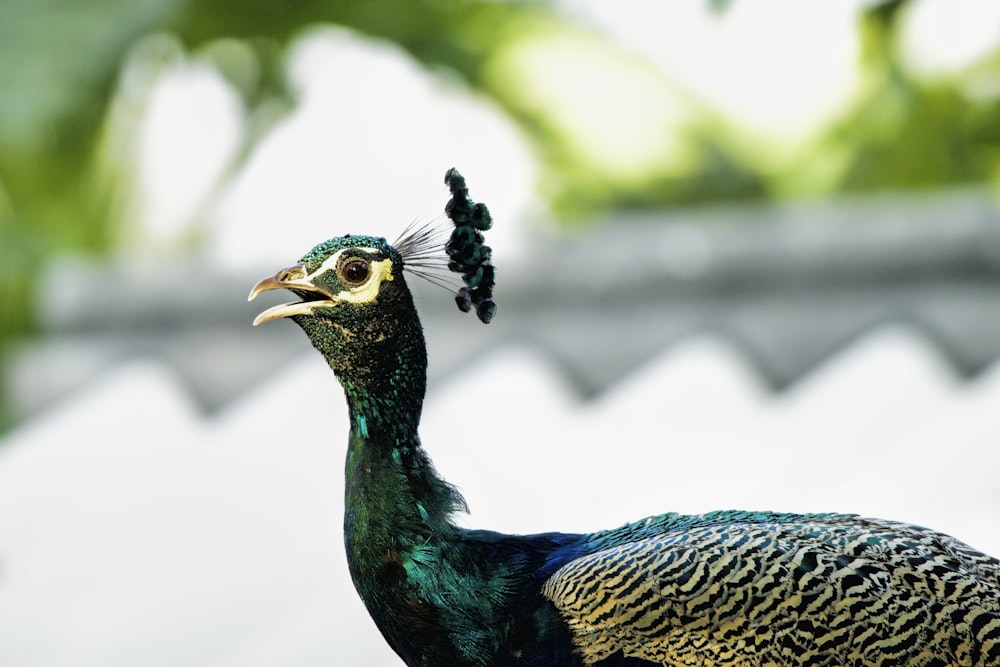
(467, 253)
(420, 247)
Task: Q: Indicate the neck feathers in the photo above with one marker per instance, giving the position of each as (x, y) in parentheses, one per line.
(394, 496)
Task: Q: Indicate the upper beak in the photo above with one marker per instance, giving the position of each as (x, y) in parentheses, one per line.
(293, 278)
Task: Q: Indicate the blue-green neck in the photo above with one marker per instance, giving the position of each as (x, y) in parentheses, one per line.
(396, 506)
(397, 509)
(394, 497)
(379, 356)
(386, 411)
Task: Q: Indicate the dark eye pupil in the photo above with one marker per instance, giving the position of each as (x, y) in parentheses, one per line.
(356, 271)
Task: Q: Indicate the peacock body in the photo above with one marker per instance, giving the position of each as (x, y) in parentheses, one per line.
(725, 588)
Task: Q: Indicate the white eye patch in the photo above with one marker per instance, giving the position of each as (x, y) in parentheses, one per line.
(367, 292)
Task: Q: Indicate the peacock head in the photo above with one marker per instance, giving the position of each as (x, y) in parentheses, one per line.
(353, 300)
(353, 304)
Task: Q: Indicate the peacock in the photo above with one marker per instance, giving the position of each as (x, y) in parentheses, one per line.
(746, 588)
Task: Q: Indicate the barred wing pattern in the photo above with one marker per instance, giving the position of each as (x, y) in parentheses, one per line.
(770, 589)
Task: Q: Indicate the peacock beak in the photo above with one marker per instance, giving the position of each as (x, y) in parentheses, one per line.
(296, 279)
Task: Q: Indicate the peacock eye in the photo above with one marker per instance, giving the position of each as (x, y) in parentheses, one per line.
(355, 271)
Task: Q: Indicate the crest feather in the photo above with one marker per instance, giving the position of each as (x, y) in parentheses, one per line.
(466, 253)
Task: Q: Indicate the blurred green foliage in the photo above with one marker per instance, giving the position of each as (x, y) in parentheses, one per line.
(59, 60)
(909, 134)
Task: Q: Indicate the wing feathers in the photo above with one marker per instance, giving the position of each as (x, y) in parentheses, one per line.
(819, 590)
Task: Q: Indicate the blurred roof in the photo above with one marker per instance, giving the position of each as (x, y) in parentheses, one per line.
(786, 285)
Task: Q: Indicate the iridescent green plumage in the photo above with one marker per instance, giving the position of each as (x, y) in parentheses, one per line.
(727, 588)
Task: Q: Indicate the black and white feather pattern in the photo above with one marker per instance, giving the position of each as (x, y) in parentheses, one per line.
(766, 589)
